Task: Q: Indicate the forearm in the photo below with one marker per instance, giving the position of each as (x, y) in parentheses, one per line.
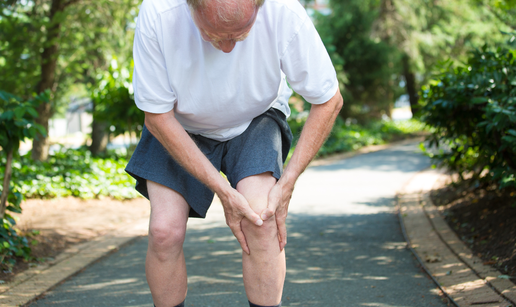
(169, 132)
(315, 131)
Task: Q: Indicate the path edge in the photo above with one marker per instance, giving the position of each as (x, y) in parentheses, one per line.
(32, 283)
(417, 190)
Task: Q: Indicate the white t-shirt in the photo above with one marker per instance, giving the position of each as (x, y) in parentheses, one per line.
(217, 94)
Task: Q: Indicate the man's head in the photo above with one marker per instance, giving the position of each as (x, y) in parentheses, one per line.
(223, 23)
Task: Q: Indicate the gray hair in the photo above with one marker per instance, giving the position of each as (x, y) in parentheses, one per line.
(226, 13)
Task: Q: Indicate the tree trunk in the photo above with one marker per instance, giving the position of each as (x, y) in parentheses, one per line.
(99, 137)
(7, 180)
(48, 68)
(40, 144)
(410, 81)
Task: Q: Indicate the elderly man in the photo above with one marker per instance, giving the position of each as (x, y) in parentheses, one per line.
(211, 77)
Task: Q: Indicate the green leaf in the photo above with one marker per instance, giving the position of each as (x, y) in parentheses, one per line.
(32, 111)
(509, 139)
(19, 112)
(7, 115)
(479, 100)
(14, 209)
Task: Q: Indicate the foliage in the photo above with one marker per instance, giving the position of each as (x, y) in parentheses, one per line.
(505, 10)
(17, 119)
(114, 100)
(381, 48)
(473, 111)
(53, 44)
(88, 35)
(12, 245)
(17, 123)
(74, 172)
(19, 59)
(365, 65)
(429, 31)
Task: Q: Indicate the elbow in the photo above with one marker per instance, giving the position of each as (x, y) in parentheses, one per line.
(150, 122)
(156, 122)
(338, 102)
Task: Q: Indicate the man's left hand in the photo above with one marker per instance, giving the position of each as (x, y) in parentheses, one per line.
(279, 199)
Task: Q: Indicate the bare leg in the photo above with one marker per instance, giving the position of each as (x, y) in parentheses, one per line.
(165, 263)
(264, 269)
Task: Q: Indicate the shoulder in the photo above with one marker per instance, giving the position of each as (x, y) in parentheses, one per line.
(283, 20)
(291, 8)
(284, 17)
(152, 12)
(160, 6)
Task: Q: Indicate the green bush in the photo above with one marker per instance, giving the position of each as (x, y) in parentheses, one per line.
(73, 172)
(17, 123)
(472, 109)
(114, 101)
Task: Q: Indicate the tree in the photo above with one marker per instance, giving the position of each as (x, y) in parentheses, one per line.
(73, 39)
(366, 65)
(504, 10)
(427, 31)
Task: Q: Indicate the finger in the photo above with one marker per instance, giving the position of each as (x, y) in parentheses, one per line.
(267, 213)
(282, 232)
(253, 217)
(239, 235)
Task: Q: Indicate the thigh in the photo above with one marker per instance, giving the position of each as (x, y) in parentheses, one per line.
(262, 148)
(169, 209)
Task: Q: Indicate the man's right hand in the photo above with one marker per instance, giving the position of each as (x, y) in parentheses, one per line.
(236, 208)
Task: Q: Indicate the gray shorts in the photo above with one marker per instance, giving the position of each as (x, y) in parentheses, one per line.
(263, 147)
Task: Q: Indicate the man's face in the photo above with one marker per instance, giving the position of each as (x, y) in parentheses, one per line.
(223, 36)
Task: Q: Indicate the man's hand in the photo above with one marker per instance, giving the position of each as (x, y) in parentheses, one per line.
(236, 208)
(279, 199)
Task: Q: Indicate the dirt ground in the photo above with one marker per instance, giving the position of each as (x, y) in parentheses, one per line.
(66, 221)
(485, 219)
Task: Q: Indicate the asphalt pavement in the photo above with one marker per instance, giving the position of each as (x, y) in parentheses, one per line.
(345, 247)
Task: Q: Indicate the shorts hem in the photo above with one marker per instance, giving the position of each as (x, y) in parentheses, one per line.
(256, 171)
(141, 175)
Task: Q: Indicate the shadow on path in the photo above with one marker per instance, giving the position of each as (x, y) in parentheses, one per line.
(346, 260)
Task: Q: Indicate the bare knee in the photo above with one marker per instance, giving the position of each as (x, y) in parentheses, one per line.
(261, 238)
(166, 239)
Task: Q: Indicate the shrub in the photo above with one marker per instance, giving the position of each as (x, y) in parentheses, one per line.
(74, 172)
(17, 122)
(472, 109)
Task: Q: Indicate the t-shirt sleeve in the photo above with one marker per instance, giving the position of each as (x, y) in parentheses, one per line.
(308, 66)
(152, 91)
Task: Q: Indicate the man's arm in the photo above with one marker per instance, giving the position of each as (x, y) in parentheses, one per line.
(315, 131)
(183, 149)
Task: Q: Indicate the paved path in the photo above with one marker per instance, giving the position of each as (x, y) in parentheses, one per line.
(345, 247)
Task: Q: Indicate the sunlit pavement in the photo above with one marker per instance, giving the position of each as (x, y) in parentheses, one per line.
(345, 247)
